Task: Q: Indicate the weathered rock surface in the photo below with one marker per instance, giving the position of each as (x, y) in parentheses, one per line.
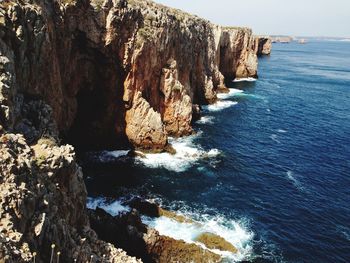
(103, 66)
(127, 231)
(213, 241)
(262, 45)
(43, 202)
(98, 74)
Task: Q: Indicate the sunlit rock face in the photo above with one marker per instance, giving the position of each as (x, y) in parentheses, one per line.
(262, 45)
(94, 63)
(97, 74)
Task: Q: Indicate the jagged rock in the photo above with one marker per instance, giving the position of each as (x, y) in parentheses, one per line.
(99, 75)
(102, 68)
(42, 201)
(165, 249)
(153, 210)
(144, 126)
(262, 45)
(128, 232)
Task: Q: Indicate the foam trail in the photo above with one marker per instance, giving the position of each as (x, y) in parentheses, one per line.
(113, 208)
(296, 183)
(244, 79)
(220, 105)
(274, 138)
(187, 154)
(281, 131)
(344, 231)
(231, 93)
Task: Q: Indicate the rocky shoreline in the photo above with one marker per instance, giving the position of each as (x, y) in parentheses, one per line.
(100, 75)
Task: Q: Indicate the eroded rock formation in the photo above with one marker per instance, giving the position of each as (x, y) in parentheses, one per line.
(262, 45)
(107, 68)
(43, 202)
(146, 243)
(97, 74)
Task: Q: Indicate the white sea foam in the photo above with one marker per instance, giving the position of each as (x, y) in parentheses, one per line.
(107, 156)
(293, 179)
(344, 231)
(206, 120)
(187, 153)
(244, 79)
(281, 131)
(113, 208)
(232, 231)
(118, 154)
(220, 105)
(231, 93)
(274, 138)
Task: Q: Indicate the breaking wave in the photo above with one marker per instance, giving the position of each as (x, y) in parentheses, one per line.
(244, 79)
(187, 154)
(206, 120)
(114, 208)
(231, 93)
(232, 231)
(220, 105)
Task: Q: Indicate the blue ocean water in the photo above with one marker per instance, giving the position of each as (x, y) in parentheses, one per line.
(269, 166)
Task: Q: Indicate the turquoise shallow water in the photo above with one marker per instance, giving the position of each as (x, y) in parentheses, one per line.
(269, 167)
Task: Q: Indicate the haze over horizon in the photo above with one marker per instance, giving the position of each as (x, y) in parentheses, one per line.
(275, 17)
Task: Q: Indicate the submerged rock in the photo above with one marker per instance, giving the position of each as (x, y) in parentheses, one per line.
(128, 232)
(153, 210)
(214, 241)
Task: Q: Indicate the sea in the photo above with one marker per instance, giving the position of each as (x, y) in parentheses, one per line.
(268, 167)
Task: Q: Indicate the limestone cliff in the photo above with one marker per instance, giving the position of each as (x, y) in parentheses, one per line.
(115, 72)
(97, 74)
(42, 202)
(262, 45)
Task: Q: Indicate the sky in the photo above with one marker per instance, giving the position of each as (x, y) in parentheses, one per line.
(274, 17)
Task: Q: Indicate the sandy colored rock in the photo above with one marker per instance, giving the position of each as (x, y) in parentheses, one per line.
(99, 75)
(213, 241)
(262, 45)
(89, 69)
(166, 249)
(127, 231)
(144, 127)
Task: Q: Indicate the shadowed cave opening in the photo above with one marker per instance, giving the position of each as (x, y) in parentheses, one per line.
(99, 122)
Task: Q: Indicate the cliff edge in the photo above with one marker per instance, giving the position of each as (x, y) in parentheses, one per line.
(115, 72)
(96, 74)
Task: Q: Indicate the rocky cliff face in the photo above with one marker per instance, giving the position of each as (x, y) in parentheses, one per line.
(98, 74)
(262, 45)
(115, 72)
(42, 202)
